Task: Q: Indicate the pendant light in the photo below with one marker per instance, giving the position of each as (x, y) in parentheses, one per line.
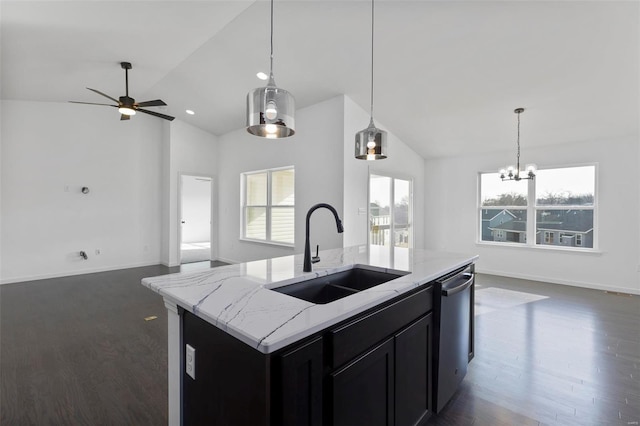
(513, 173)
(270, 109)
(371, 143)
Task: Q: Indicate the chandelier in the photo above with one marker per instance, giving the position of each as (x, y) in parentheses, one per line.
(514, 173)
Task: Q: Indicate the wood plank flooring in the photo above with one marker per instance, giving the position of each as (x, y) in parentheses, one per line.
(550, 354)
(78, 351)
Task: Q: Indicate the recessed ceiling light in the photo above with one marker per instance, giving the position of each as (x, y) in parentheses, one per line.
(262, 76)
(189, 112)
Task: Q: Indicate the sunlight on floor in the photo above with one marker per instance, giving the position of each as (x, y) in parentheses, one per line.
(195, 252)
(492, 298)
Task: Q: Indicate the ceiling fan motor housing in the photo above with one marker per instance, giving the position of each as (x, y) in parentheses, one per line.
(126, 101)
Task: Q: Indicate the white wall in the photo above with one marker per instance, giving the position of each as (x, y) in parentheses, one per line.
(47, 147)
(192, 151)
(402, 162)
(316, 153)
(451, 223)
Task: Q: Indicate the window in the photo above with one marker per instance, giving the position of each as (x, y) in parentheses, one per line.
(503, 209)
(548, 237)
(268, 206)
(561, 203)
(565, 201)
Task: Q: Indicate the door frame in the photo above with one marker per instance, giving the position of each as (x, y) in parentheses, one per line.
(213, 219)
(393, 176)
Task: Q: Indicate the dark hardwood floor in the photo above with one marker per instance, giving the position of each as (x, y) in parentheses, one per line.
(550, 354)
(78, 351)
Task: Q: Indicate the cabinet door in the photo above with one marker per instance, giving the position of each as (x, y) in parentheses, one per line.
(413, 372)
(301, 378)
(362, 392)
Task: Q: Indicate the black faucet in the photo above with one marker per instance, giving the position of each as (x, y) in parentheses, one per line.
(307, 248)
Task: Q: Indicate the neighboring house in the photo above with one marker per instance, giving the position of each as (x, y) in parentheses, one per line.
(514, 231)
(570, 228)
(491, 219)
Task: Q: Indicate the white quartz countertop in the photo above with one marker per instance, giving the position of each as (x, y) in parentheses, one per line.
(238, 299)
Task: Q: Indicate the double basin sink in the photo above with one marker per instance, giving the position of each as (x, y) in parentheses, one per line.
(335, 286)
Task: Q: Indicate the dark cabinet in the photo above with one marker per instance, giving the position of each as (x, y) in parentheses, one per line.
(413, 381)
(301, 385)
(363, 390)
(388, 385)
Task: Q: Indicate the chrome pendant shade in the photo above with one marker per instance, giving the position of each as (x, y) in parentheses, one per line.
(371, 143)
(270, 112)
(514, 173)
(270, 109)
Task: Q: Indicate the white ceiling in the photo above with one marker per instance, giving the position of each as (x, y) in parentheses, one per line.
(448, 74)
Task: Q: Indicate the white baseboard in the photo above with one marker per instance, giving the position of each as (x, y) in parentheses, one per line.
(231, 261)
(594, 286)
(79, 272)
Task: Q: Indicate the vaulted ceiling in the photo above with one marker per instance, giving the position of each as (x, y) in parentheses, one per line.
(448, 74)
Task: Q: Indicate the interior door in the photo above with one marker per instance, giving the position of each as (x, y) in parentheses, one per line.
(195, 218)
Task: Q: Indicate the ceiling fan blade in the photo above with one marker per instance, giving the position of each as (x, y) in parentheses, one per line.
(157, 114)
(157, 102)
(92, 103)
(106, 96)
(124, 117)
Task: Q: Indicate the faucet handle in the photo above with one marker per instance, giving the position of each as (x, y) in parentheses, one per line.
(316, 258)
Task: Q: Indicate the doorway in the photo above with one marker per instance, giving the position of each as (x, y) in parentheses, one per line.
(195, 208)
(390, 216)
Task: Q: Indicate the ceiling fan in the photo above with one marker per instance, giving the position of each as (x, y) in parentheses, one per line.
(128, 106)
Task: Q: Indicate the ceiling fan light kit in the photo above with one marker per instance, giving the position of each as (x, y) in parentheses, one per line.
(127, 106)
(271, 109)
(513, 173)
(371, 143)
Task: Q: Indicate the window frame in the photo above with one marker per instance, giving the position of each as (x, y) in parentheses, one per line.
(532, 209)
(268, 207)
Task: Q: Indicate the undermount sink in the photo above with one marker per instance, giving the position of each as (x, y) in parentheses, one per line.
(335, 286)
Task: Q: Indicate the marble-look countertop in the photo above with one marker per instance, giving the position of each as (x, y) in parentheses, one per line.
(237, 298)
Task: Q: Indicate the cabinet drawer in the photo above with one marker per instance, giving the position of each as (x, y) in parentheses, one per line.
(349, 340)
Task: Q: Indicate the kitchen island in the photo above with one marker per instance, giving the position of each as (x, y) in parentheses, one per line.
(236, 346)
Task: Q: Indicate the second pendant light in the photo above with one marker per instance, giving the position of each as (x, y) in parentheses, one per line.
(371, 143)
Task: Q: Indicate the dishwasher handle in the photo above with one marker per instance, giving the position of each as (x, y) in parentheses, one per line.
(458, 286)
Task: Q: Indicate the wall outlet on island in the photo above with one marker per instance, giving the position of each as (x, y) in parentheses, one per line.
(190, 364)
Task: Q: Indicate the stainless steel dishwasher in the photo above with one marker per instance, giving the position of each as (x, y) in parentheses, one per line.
(454, 332)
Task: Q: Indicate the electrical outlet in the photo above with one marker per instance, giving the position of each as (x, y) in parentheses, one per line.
(66, 188)
(190, 362)
(97, 252)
